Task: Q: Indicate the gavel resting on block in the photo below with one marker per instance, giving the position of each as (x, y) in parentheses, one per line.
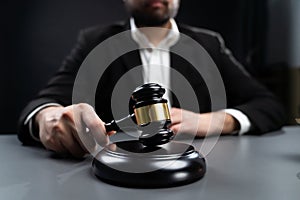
(154, 160)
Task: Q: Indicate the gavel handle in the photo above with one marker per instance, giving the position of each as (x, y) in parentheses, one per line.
(112, 126)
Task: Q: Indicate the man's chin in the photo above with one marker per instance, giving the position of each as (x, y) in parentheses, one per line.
(151, 22)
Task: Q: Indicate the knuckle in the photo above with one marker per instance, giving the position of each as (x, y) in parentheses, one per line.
(56, 126)
(83, 106)
(67, 112)
(49, 141)
(68, 115)
(58, 132)
(94, 124)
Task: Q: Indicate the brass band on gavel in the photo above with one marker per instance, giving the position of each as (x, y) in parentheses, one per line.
(151, 113)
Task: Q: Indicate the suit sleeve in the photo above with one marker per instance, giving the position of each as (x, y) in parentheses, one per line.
(246, 94)
(58, 90)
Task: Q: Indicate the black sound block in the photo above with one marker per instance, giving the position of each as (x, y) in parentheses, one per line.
(131, 164)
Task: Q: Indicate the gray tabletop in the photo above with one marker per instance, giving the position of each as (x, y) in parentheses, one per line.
(246, 167)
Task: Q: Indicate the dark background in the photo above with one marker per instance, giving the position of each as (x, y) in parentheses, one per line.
(36, 35)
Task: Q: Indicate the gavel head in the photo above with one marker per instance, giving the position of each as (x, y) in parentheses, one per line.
(152, 113)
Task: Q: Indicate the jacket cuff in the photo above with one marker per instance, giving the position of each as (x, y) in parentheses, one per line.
(33, 132)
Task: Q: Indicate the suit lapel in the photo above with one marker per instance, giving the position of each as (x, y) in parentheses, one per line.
(131, 60)
(133, 66)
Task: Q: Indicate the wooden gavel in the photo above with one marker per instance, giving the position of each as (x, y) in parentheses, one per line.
(147, 107)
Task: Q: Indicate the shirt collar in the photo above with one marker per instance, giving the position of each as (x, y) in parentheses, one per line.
(143, 42)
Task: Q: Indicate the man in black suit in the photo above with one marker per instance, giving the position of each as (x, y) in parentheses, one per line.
(50, 118)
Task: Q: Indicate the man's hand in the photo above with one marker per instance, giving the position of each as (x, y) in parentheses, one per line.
(184, 121)
(74, 129)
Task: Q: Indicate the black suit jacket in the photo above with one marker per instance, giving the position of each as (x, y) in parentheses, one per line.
(242, 91)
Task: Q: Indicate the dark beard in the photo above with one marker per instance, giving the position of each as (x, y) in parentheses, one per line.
(144, 20)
